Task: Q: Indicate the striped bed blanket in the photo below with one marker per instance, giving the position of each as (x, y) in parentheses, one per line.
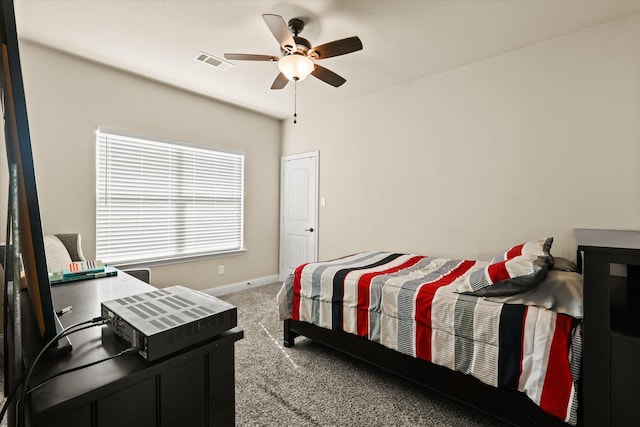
(408, 303)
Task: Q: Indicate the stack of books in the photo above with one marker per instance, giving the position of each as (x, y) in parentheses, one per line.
(82, 270)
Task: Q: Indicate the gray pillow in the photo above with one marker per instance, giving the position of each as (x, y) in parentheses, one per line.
(560, 291)
(564, 264)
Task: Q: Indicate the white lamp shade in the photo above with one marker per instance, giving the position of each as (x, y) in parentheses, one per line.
(295, 66)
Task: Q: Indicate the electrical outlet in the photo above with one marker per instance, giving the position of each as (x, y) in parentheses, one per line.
(221, 269)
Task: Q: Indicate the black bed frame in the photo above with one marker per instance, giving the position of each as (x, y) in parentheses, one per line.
(507, 405)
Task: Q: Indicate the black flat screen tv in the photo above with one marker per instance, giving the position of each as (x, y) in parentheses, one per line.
(18, 146)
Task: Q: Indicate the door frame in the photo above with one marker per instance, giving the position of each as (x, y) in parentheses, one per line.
(316, 156)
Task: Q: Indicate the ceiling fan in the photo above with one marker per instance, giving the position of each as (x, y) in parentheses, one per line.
(298, 56)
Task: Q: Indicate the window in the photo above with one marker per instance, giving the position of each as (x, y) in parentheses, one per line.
(160, 200)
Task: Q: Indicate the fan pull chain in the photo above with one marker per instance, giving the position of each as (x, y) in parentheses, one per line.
(295, 101)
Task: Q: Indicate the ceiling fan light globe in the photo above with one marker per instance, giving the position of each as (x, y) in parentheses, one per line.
(295, 66)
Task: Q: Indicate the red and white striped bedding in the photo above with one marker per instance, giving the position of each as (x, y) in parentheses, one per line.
(409, 304)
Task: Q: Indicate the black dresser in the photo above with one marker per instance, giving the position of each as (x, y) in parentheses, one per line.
(192, 387)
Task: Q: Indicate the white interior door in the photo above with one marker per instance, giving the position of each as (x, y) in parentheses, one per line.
(298, 211)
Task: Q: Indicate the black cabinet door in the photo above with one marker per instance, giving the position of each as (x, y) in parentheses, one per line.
(183, 395)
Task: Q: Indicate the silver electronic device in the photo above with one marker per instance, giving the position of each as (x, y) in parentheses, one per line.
(167, 320)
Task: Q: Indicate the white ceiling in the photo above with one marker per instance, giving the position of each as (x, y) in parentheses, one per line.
(403, 40)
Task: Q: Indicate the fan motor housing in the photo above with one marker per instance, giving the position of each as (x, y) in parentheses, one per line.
(302, 46)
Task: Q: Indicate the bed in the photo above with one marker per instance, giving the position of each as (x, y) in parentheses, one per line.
(503, 335)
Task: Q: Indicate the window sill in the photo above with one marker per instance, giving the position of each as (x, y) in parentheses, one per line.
(158, 262)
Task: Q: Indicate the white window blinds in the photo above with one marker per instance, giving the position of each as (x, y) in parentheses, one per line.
(159, 200)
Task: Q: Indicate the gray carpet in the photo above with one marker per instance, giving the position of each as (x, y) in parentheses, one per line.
(312, 385)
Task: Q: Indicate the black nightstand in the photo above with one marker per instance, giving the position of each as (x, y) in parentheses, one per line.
(611, 353)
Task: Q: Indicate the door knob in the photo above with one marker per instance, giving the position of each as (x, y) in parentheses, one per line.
(309, 229)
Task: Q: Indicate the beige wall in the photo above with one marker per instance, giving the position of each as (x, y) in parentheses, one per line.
(68, 98)
(528, 144)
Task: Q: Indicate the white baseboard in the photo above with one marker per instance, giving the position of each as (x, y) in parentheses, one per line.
(242, 286)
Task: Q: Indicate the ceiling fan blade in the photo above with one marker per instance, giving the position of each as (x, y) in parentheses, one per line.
(337, 47)
(250, 57)
(328, 76)
(280, 31)
(280, 81)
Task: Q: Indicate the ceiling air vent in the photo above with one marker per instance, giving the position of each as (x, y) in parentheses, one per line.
(218, 63)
